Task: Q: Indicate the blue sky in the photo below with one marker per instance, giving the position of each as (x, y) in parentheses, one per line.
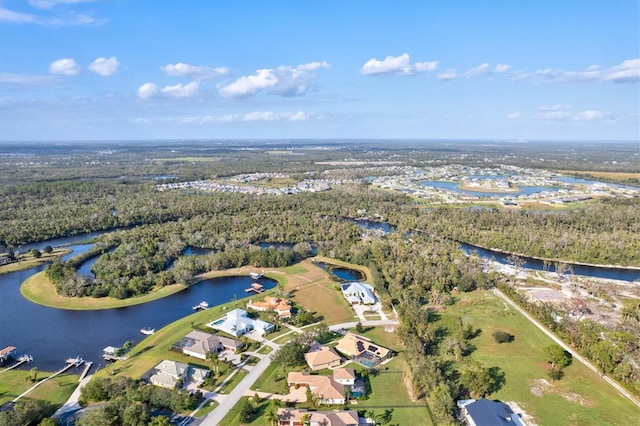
(170, 69)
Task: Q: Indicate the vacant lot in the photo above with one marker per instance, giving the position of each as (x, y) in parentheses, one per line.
(55, 391)
(580, 398)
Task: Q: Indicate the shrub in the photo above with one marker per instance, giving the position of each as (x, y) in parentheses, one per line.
(501, 336)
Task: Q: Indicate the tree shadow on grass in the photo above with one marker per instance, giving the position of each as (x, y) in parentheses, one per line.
(498, 379)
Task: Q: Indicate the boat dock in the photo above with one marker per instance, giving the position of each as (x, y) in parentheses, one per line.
(21, 360)
(71, 362)
(7, 353)
(258, 288)
(86, 370)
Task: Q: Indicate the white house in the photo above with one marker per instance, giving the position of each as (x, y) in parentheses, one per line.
(237, 323)
(169, 374)
(358, 293)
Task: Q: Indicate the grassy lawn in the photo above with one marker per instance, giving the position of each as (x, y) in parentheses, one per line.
(580, 398)
(315, 291)
(272, 380)
(237, 378)
(209, 407)
(27, 260)
(55, 391)
(381, 337)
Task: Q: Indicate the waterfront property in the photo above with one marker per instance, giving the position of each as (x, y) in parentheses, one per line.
(326, 389)
(483, 412)
(7, 353)
(362, 350)
(293, 417)
(237, 323)
(282, 307)
(321, 356)
(198, 344)
(358, 293)
(172, 374)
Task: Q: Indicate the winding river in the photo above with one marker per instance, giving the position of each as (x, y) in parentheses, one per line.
(51, 335)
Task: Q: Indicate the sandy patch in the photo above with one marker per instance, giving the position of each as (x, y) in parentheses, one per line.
(542, 386)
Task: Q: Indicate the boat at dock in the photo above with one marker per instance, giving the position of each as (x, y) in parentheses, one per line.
(201, 305)
(255, 275)
(77, 361)
(147, 331)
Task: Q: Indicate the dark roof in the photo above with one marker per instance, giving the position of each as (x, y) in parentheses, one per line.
(490, 413)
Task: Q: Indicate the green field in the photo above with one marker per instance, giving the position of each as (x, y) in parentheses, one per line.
(55, 391)
(580, 398)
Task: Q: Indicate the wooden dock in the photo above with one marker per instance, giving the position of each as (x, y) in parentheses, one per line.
(86, 370)
(258, 288)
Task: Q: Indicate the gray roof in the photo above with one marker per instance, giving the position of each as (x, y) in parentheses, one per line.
(484, 412)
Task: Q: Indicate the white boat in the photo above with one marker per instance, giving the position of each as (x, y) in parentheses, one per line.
(75, 361)
(147, 331)
(201, 305)
(255, 275)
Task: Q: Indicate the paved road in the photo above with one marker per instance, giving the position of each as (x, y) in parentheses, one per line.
(576, 355)
(215, 417)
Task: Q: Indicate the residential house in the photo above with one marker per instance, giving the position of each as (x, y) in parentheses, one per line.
(362, 350)
(484, 412)
(321, 356)
(237, 323)
(293, 417)
(198, 344)
(170, 374)
(358, 293)
(325, 388)
(282, 307)
(345, 376)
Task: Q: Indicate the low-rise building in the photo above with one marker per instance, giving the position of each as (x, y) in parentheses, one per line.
(198, 344)
(321, 356)
(237, 323)
(326, 388)
(293, 417)
(484, 412)
(171, 374)
(358, 293)
(362, 350)
(282, 307)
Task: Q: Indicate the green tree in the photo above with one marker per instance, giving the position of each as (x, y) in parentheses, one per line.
(476, 379)
(271, 414)
(557, 356)
(214, 357)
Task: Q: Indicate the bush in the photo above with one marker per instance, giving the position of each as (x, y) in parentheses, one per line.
(555, 374)
(501, 336)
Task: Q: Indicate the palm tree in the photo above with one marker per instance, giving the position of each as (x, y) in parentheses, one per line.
(271, 414)
(215, 359)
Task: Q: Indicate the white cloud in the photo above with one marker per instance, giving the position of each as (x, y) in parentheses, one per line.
(181, 90)
(479, 70)
(564, 113)
(148, 90)
(502, 68)
(284, 80)
(626, 72)
(592, 115)
(105, 66)
(67, 18)
(447, 75)
(195, 72)
(28, 79)
(64, 66)
(396, 65)
(151, 90)
(513, 115)
(255, 116)
(50, 4)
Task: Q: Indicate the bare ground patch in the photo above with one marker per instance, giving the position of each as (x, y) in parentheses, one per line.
(542, 386)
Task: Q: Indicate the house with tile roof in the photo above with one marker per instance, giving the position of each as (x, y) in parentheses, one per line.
(362, 350)
(237, 323)
(198, 344)
(321, 356)
(282, 307)
(293, 417)
(326, 388)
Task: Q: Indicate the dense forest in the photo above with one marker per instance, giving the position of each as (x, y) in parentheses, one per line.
(149, 231)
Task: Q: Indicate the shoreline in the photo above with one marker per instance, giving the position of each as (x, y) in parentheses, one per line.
(37, 289)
